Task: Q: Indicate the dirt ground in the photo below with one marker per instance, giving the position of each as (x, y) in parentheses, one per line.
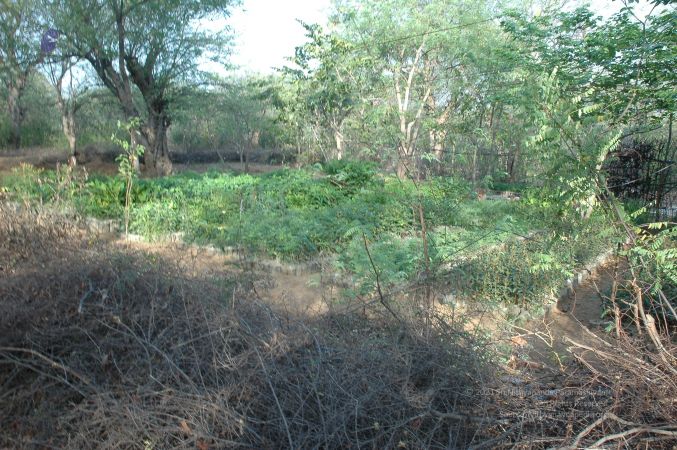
(48, 159)
(543, 344)
(570, 330)
(296, 294)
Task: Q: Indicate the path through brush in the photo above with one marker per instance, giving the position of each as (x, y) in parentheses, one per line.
(570, 330)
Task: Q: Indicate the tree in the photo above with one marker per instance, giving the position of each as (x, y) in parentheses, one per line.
(152, 46)
(247, 103)
(67, 96)
(323, 79)
(626, 62)
(426, 55)
(19, 54)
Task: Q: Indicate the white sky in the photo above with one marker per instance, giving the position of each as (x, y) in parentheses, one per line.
(266, 31)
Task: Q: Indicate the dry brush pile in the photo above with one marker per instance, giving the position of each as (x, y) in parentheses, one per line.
(102, 347)
(105, 349)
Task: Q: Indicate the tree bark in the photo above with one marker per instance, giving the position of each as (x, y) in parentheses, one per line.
(512, 164)
(246, 158)
(409, 127)
(156, 153)
(402, 166)
(67, 108)
(252, 143)
(14, 108)
(438, 133)
(119, 85)
(68, 125)
(151, 134)
(338, 137)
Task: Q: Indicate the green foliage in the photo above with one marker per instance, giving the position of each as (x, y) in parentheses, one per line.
(530, 271)
(61, 187)
(298, 214)
(128, 161)
(515, 274)
(397, 261)
(626, 61)
(41, 123)
(103, 197)
(288, 213)
(350, 176)
(655, 257)
(231, 115)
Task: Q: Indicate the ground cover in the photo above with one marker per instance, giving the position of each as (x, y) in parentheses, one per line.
(364, 220)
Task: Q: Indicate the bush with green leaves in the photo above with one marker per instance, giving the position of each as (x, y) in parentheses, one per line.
(62, 186)
(527, 271)
(351, 176)
(395, 260)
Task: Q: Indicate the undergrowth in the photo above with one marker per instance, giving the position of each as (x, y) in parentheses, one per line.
(105, 347)
(299, 214)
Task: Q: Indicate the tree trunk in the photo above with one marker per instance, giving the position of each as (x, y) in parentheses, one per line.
(404, 162)
(255, 139)
(663, 177)
(474, 165)
(16, 111)
(437, 144)
(401, 169)
(512, 167)
(67, 123)
(409, 126)
(437, 138)
(240, 151)
(156, 153)
(338, 137)
(253, 143)
(298, 147)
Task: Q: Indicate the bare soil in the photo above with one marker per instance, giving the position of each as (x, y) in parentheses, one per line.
(543, 345)
(577, 317)
(48, 158)
(301, 294)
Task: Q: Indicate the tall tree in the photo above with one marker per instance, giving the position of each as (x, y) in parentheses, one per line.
(69, 91)
(150, 46)
(19, 54)
(325, 82)
(426, 55)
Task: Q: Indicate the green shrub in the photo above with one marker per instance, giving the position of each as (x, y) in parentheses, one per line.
(396, 260)
(351, 176)
(517, 274)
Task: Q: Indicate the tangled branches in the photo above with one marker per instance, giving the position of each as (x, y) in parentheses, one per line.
(102, 347)
(105, 349)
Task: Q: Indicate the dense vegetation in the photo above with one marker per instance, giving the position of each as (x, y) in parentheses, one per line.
(480, 92)
(437, 160)
(331, 209)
